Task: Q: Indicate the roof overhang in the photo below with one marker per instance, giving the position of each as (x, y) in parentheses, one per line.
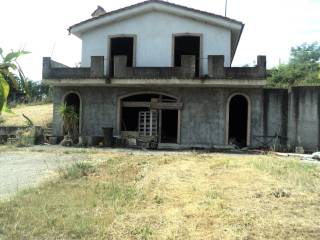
(234, 26)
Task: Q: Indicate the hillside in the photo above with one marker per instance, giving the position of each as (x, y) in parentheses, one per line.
(41, 115)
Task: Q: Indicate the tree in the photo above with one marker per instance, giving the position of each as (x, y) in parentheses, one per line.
(8, 66)
(303, 67)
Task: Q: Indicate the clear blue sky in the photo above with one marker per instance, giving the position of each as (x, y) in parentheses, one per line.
(272, 27)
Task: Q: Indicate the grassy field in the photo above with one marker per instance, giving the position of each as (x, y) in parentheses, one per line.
(118, 195)
(41, 115)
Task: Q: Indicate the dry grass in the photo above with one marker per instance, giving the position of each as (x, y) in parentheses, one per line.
(41, 115)
(171, 196)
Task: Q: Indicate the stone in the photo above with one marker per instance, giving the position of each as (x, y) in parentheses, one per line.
(53, 140)
(300, 150)
(67, 141)
(316, 155)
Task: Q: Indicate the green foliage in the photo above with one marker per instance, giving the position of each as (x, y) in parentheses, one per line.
(4, 92)
(8, 66)
(303, 67)
(70, 120)
(142, 233)
(77, 170)
(158, 199)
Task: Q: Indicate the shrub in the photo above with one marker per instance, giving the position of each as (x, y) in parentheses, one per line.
(77, 170)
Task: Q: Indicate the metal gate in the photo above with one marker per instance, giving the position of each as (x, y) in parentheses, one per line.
(148, 123)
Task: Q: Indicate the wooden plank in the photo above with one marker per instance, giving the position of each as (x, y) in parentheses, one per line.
(167, 106)
(136, 104)
(155, 105)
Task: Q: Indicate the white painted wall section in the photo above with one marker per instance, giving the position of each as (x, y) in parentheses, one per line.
(154, 39)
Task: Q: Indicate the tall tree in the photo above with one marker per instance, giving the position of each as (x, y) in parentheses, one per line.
(303, 67)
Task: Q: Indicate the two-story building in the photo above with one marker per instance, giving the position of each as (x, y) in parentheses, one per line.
(161, 69)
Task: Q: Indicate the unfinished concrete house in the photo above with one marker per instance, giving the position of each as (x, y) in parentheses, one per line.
(164, 70)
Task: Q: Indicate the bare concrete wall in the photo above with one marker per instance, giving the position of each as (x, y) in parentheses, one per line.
(275, 114)
(203, 116)
(304, 113)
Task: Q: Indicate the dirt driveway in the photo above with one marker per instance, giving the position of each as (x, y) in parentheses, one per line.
(27, 167)
(24, 167)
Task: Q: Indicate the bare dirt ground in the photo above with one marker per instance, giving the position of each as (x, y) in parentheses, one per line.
(25, 167)
(134, 194)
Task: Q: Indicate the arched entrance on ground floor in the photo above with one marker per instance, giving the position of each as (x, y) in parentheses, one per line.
(72, 114)
(153, 114)
(238, 120)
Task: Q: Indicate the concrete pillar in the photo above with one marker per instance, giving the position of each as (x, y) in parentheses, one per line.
(262, 61)
(97, 67)
(216, 66)
(262, 66)
(120, 66)
(188, 66)
(46, 67)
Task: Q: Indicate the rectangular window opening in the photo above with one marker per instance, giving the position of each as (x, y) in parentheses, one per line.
(121, 46)
(187, 45)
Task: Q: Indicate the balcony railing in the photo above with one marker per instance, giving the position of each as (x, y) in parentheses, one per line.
(187, 70)
(216, 69)
(55, 70)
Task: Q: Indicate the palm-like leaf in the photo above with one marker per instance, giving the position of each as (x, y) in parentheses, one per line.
(13, 56)
(7, 66)
(4, 92)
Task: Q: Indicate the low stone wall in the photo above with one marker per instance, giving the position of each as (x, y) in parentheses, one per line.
(11, 130)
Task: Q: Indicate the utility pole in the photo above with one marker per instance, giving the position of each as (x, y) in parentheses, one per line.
(225, 8)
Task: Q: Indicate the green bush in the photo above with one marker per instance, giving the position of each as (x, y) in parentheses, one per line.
(77, 170)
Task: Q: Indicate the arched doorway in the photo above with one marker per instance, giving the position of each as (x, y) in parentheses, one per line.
(72, 111)
(150, 114)
(238, 120)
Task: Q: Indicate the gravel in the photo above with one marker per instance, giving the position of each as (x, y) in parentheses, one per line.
(26, 167)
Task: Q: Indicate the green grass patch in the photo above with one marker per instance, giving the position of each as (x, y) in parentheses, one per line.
(77, 170)
(292, 171)
(72, 207)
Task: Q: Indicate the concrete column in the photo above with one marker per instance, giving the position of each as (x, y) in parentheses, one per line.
(120, 66)
(262, 61)
(46, 67)
(216, 66)
(97, 67)
(188, 66)
(262, 66)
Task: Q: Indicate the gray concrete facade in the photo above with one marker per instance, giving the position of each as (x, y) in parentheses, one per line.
(203, 117)
(293, 115)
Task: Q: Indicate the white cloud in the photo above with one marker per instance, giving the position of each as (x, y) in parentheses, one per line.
(272, 27)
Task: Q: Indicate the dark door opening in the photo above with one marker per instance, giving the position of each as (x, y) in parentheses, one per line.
(187, 45)
(120, 46)
(164, 122)
(72, 101)
(238, 121)
(130, 118)
(169, 126)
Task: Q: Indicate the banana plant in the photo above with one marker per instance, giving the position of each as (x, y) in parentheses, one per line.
(9, 65)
